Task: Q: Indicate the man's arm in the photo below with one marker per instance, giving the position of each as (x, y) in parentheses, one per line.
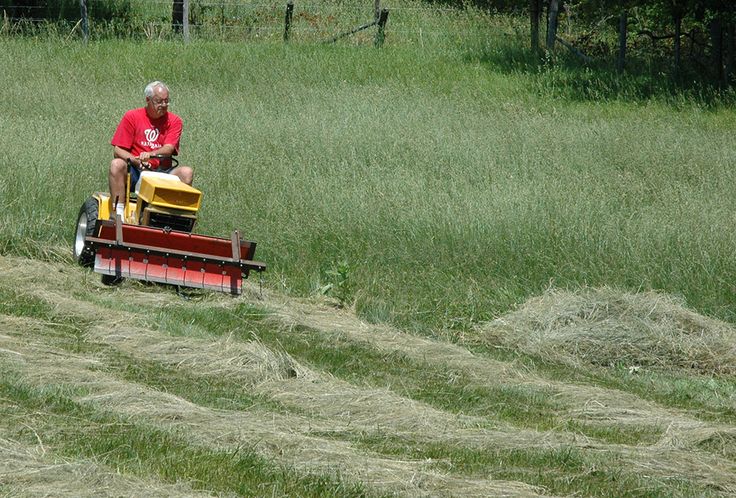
(143, 157)
(125, 155)
(166, 150)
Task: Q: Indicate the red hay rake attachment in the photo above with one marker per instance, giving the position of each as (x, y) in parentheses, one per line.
(173, 257)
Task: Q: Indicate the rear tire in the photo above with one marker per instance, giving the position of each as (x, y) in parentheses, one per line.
(84, 253)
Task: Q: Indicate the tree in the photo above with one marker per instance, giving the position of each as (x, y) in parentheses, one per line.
(552, 13)
(534, 10)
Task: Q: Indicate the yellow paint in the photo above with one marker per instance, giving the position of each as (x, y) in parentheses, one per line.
(169, 193)
(162, 192)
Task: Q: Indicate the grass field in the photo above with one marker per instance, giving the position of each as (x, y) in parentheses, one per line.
(485, 276)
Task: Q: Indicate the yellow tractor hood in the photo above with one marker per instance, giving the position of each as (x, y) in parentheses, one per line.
(168, 191)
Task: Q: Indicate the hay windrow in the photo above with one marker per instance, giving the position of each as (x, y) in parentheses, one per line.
(249, 362)
(605, 327)
(584, 402)
(292, 438)
(282, 437)
(328, 406)
(589, 403)
(30, 471)
(721, 443)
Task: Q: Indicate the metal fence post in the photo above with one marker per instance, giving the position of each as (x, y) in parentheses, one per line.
(287, 19)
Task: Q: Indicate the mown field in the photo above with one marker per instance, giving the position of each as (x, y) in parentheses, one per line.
(485, 277)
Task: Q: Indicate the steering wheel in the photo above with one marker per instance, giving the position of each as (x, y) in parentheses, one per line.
(142, 167)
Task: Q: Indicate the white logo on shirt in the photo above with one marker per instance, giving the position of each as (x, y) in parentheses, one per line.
(151, 134)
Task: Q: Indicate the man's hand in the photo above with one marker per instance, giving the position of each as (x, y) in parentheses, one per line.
(144, 159)
(135, 162)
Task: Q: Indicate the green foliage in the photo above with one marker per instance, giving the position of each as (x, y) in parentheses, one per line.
(68, 10)
(335, 281)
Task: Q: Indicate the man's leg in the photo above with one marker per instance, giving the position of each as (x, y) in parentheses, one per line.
(116, 179)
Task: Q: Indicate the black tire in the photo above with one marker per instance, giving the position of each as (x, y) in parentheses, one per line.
(83, 253)
(112, 280)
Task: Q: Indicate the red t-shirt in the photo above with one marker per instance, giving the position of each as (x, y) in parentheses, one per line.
(138, 133)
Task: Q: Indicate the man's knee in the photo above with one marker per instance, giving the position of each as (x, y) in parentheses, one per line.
(118, 167)
(185, 173)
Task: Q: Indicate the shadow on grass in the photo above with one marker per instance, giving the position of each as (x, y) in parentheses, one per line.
(563, 75)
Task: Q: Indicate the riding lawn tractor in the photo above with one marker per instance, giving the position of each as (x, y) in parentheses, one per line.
(153, 240)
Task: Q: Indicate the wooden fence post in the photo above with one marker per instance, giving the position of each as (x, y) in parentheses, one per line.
(287, 19)
(552, 12)
(381, 33)
(85, 20)
(729, 54)
(678, 42)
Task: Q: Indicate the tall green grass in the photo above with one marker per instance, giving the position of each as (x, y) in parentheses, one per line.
(431, 185)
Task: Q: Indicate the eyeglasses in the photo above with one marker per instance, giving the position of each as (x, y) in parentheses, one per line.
(160, 103)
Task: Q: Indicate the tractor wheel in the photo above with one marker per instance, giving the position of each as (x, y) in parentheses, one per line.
(111, 280)
(86, 225)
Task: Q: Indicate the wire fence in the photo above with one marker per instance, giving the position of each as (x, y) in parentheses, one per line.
(231, 20)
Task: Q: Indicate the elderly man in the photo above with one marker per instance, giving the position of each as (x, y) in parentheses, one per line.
(141, 134)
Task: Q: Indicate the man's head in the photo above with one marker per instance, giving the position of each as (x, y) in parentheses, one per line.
(157, 99)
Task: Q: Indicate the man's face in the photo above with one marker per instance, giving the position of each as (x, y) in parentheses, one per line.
(158, 105)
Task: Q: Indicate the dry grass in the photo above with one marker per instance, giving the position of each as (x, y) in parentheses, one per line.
(33, 471)
(320, 405)
(605, 327)
(284, 437)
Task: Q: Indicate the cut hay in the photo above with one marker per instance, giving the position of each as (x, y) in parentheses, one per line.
(285, 438)
(322, 415)
(605, 327)
(248, 362)
(30, 471)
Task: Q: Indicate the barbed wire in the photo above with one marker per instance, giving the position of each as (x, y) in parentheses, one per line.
(153, 5)
(297, 3)
(231, 20)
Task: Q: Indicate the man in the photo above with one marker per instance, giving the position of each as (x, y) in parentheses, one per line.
(142, 133)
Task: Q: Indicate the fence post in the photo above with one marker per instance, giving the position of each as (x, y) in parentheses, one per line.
(185, 19)
(85, 20)
(552, 12)
(287, 19)
(381, 33)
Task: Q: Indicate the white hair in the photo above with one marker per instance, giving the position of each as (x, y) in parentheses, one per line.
(148, 92)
